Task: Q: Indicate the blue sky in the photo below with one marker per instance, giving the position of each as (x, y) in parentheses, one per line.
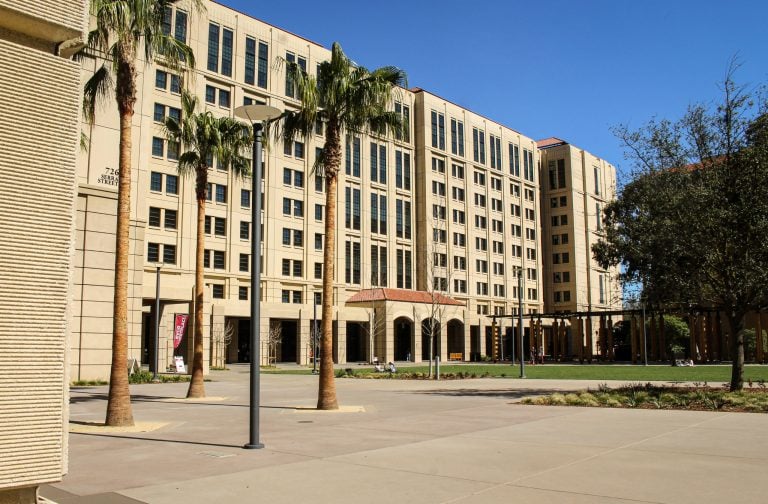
(571, 69)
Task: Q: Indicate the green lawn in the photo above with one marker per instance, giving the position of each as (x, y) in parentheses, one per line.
(704, 373)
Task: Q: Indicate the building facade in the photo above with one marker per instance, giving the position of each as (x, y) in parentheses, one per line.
(40, 142)
(449, 207)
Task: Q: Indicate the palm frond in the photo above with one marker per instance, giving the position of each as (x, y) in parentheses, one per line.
(96, 90)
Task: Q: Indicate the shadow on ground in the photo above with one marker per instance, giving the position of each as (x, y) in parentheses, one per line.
(500, 393)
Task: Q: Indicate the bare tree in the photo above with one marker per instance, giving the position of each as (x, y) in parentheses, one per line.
(274, 338)
(221, 336)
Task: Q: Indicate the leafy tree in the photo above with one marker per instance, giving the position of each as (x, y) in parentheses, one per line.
(347, 99)
(122, 29)
(690, 225)
(677, 334)
(203, 138)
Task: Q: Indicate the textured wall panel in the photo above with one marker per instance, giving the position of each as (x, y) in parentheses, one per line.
(39, 138)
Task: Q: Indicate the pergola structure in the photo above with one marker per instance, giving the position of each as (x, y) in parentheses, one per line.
(588, 335)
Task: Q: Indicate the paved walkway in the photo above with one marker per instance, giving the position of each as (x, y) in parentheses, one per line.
(411, 442)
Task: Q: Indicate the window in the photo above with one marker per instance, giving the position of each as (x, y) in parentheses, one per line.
(161, 79)
(459, 216)
(481, 266)
(245, 198)
(439, 235)
(298, 268)
(213, 47)
(481, 244)
(457, 138)
(172, 184)
(404, 269)
(154, 217)
(210, 94)
(438, 212)
(175, 84)
(438, 130)
(158, 147)
(352, 262)
(496, 184)
(378, 266)
(242, 293)
(438, 188)
(301, 62)
(169, 254)
(498, 247)
(402, 170)
(224, 98)
(217, 291)
(480, 200)
(219, 259)
(457, 193)
(497, 205)
(460, 263)
(403, 219)
(318, 241)
(170, 219)
(481, 222)
(460, 239)
(378, 214)
(478, 145)
(482, 288)
(378, 163)
(285, 296)
(159, 115)
(555, 239)
(597, 179)
(318, 212)
(530, 234)
(460, 286)
(293, 207)
(457, 171)
(565, 257)
(153, 252)
(514, 161)
(352, 208)
(318, 270)
(221, 193)
(440, 283)
(517, 230)
(598, 216)
(352, 157)
(528, 167)
(514, 190)
(498, 290)
(495, 145)
(530, 214)
(245, 230)
(244, 262)
(404, 111)
(479, 178)
(564, 238)
(293, 178)
(250, 62)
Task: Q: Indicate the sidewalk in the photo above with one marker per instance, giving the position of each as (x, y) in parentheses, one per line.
(461, 441)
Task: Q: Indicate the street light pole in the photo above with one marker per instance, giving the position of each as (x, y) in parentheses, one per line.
(645, 340)
(314, 335)
(256, 115)
(157, 321)
(520, 320)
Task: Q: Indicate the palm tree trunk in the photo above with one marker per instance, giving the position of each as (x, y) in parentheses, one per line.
(326, 395)
(119, 411)
(196, 384)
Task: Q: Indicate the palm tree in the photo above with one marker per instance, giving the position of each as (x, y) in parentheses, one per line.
(203, 138)
(123, 27)
(348, 99)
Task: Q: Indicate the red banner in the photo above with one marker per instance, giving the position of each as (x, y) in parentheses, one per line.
(178, 328)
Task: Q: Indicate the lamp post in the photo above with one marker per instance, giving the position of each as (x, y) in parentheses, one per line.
(314, 335)
(520, 320)
(256, 115)
(157, 321)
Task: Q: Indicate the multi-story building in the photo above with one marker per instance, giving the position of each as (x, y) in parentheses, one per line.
(433, 223)
(41, 92)
(577, 186)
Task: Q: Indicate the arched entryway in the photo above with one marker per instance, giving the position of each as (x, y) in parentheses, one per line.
(428, 326)
(455, 333)
(403, 330)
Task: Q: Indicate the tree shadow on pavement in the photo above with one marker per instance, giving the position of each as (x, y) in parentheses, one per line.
(500, 393)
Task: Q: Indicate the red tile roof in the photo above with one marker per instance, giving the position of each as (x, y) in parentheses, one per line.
(550, 142)
(401, 295)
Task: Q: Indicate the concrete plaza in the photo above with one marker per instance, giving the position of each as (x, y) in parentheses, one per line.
(464, 441)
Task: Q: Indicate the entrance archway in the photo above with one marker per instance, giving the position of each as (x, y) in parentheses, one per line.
(403, 338)
(455, 335)
(357, 341)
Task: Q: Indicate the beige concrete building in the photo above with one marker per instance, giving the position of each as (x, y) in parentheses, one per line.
(40, 89)
(450, 175)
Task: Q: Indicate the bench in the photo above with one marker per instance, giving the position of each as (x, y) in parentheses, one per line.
(455, 356)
